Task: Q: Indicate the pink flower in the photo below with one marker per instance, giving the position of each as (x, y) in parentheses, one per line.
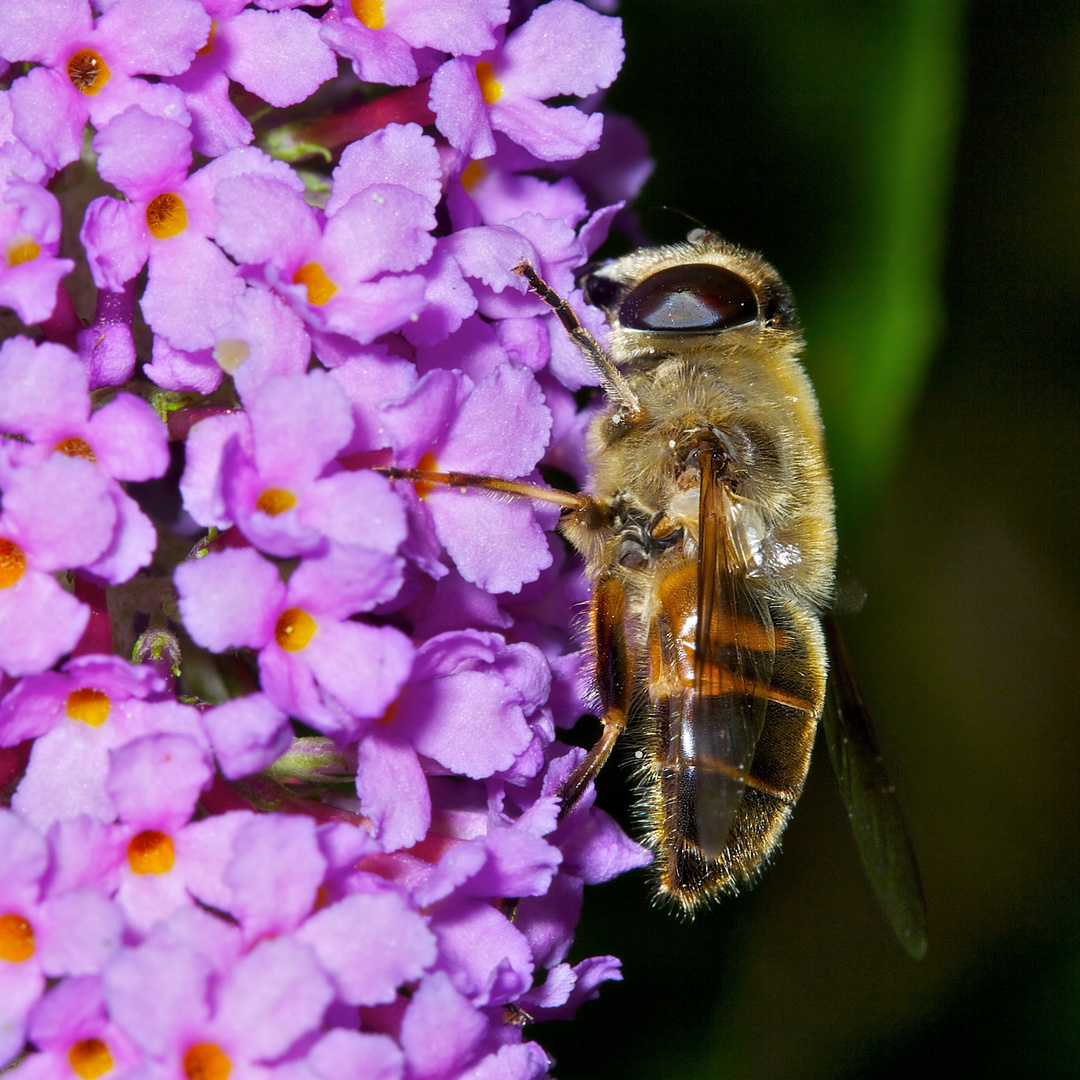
(307, 644)
(238, 46)
(168, 219)
(39, 621)
(288, 839)
(30, 237)
(380, 38)
(564, 48)
(43, 933)
(90, 66)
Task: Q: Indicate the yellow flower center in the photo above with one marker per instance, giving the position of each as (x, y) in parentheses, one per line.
(295, 628)
(319, 287)
(206, 1062)
(90, 1058)
(166, 216)
(89, 706)
(491, 90)
(12, 563)
(370, 13)
(151, 852)
(22, 251)
(16, 938)
(472, 174)
(274, 501)
(87, 71)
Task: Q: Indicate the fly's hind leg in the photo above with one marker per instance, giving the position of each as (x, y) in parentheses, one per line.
(613, 682)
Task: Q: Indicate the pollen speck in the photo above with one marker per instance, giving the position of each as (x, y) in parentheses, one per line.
(166, 216)
(88, 705)
(87, 71)
(230, 353)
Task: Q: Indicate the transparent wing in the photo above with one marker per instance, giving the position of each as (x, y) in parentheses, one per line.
(733, 658)
(870, 798)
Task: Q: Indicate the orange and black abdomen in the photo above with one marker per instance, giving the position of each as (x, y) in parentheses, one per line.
(787, 703)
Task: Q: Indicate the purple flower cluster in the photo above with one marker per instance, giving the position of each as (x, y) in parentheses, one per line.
(312, 828)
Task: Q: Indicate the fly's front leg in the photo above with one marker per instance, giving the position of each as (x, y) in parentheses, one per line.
(613, 682)
(612, 379)
(523, 489)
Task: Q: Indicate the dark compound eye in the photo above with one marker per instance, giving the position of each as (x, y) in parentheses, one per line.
(600, 291)
(692, 298)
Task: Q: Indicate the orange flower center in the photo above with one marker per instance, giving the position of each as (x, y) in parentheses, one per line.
(319, 287)
(209, 46)
(16, 938)
(90, 1058)
(491, 90)
(12, 563)
(151, 852)
(295, 628)
(87, 71)
(426, 464)
(166, 216)
(89, 706)
(274, 501)
(22, 251)
(472, 174)
(206, 1062)
(370, 13)
(76, 447)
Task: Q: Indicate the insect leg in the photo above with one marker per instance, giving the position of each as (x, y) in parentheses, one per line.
(566, 499)
(613, 380)
(613, 681)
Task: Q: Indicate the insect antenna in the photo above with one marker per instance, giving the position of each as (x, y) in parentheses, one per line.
(701, 233)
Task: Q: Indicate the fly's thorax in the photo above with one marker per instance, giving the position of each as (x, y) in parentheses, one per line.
(646, 473)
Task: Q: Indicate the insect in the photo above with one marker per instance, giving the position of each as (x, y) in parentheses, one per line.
(709, 541)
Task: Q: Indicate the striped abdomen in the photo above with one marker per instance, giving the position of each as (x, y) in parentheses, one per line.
(765, 685)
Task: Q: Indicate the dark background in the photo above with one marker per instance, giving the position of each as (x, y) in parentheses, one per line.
(911, 168)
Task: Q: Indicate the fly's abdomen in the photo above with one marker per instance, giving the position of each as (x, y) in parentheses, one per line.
(737, 727)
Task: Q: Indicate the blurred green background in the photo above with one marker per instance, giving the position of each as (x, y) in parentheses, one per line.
(912, 169)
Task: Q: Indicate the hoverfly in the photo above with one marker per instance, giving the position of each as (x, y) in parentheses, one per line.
(709, 540)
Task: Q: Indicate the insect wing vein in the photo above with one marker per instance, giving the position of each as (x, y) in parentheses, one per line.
(870, 798)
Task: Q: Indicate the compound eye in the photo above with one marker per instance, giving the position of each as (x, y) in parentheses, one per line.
(600, 291)
(693, 298)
